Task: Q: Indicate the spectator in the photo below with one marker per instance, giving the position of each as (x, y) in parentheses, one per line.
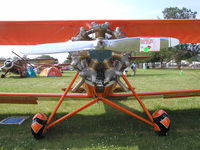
(125, 71)
(133, 67)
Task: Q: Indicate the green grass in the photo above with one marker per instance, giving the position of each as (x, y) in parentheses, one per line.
(102, 127)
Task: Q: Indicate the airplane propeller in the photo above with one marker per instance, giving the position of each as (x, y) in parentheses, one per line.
(8, 64)
(123, 44)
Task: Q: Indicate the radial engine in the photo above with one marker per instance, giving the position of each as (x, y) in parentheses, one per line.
(100, 67)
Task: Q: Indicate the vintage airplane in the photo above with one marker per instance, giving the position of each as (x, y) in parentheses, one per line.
(100, 50)
(20, 65)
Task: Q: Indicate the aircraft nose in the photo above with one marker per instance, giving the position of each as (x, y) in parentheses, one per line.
(99, 44)
(8, 63)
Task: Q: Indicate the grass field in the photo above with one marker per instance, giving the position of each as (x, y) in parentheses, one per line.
(102, 127)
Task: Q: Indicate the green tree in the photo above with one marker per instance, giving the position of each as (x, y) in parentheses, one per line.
(47, 57)
(177, 13)
(164, 55)
(183, 51)
(44, 56)
(192, 50)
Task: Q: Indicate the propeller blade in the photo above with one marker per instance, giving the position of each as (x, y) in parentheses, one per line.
(124, 44)
(134, 44)
(63, 47)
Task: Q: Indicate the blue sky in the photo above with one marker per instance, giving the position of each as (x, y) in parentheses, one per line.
(87, 9)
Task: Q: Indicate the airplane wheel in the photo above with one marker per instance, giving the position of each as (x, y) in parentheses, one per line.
(3, 76)
(38, 124)
(161, 122)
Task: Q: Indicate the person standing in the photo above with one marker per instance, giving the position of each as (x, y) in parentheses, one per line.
(133, 67)
(125, 72)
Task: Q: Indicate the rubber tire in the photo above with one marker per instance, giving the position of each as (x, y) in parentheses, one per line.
(3, 76)
(39, 135)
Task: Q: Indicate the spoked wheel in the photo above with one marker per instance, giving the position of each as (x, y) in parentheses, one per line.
(38, 124)
(161, 122)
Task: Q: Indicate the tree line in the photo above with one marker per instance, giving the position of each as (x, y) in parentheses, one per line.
(189, 52)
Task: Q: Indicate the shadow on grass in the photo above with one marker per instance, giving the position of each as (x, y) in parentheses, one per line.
(111, 130)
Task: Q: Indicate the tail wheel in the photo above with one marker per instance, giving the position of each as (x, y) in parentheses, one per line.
(161, 122)
(38, 124)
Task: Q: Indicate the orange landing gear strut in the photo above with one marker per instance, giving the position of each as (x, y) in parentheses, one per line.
(159, 120)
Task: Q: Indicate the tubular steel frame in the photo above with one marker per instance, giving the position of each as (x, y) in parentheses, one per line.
(98, 97)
